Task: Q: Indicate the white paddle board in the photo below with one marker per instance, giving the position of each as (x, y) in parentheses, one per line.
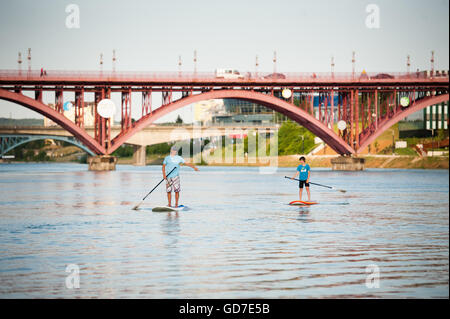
(160, 209)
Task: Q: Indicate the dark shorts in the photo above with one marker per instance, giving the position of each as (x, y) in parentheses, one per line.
(301, 183)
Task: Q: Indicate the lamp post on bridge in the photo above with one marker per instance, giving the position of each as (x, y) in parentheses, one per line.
(195, 62)
(19, 61)
(432, 63)
(29, 60)
(332, 67)
(353, 65)
(275, 64)
(101, 63)
(408, 64)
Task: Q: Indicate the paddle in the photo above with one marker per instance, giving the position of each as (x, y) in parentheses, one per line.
(137, 206)
(330, 187)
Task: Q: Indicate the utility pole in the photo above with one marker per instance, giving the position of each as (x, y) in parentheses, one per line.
(101, 62)
(179, 65)
(256, 66)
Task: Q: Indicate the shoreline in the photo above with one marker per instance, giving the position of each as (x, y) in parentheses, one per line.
(322, 161)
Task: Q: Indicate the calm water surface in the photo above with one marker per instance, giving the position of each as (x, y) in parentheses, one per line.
(239, 240)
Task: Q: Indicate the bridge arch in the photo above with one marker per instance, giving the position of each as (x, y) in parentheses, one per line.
(23, 139)
(291, 111)
(417, 106)
(56, 117)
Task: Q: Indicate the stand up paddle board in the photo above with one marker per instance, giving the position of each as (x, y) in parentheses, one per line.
(302, 203)
(169, 209)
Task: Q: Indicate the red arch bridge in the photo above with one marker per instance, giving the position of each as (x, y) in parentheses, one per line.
(368, 104)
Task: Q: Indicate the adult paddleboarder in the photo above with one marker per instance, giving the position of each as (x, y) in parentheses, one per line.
(172, 164)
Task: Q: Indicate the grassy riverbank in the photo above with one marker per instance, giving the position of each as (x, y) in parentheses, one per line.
(374, 161)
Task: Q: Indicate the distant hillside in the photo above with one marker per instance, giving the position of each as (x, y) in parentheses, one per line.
(21, 122)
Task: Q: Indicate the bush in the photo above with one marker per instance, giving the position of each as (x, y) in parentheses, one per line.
(124, 151)
(158, 149)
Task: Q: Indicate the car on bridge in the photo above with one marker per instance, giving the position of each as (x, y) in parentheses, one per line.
(383, 76)
(274, 76)
(228, 74)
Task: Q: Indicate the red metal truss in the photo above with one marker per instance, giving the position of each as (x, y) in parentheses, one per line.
(79, 107)
(126, 110)
(146, 101)
(55, 116)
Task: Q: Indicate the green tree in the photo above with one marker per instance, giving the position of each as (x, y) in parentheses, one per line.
(294, 139)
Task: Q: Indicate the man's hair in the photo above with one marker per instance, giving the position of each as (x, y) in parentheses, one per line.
(302, 159)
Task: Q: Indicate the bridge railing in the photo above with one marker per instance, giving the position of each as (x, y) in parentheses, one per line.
(56, 75)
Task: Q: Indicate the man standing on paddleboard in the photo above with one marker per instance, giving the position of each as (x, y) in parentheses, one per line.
(173, 179)
(305, 173)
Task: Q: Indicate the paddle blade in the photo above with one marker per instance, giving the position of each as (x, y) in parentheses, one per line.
(137, 206)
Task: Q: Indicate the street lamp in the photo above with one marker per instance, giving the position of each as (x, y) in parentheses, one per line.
(303, 144)
(393, 142)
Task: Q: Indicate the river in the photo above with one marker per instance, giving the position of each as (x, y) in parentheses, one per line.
(387, 236)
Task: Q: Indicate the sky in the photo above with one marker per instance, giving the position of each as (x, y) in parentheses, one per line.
(150, 35)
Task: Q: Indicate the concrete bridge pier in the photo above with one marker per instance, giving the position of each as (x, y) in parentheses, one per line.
(139, 155)
(347, 163)
(102, 163)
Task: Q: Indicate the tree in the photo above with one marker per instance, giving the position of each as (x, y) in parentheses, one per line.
(179, 120)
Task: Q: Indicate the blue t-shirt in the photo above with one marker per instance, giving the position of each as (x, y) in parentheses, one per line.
(303, 169)
(171, 162)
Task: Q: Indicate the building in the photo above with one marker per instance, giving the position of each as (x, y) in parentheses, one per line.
(241, 111)
(69, 112)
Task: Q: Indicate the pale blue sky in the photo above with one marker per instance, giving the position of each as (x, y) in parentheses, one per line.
(150, 35)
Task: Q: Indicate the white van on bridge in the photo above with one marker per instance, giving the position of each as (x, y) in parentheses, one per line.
(228, 74)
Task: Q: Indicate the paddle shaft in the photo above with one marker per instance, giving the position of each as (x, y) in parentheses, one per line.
(295, 179)
(158, 184)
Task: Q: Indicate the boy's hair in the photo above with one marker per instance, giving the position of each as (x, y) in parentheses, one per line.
(302, 159)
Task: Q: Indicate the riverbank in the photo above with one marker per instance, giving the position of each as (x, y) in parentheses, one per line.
(372, 161)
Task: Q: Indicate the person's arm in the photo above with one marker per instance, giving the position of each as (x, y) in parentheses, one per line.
(309, 175)
(296, 174)
(164, 171)
(191, 166)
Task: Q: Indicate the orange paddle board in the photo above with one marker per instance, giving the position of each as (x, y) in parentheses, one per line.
(300, 202)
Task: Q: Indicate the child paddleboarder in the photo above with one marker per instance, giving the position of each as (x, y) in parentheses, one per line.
(305, 173)
(173, 179)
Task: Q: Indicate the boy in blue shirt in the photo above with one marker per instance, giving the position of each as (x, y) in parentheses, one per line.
(305, 173)
(173, 179)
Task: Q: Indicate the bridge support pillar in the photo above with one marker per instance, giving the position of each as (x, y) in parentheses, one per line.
(139, 155)
(344, 163)
(102, 163)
